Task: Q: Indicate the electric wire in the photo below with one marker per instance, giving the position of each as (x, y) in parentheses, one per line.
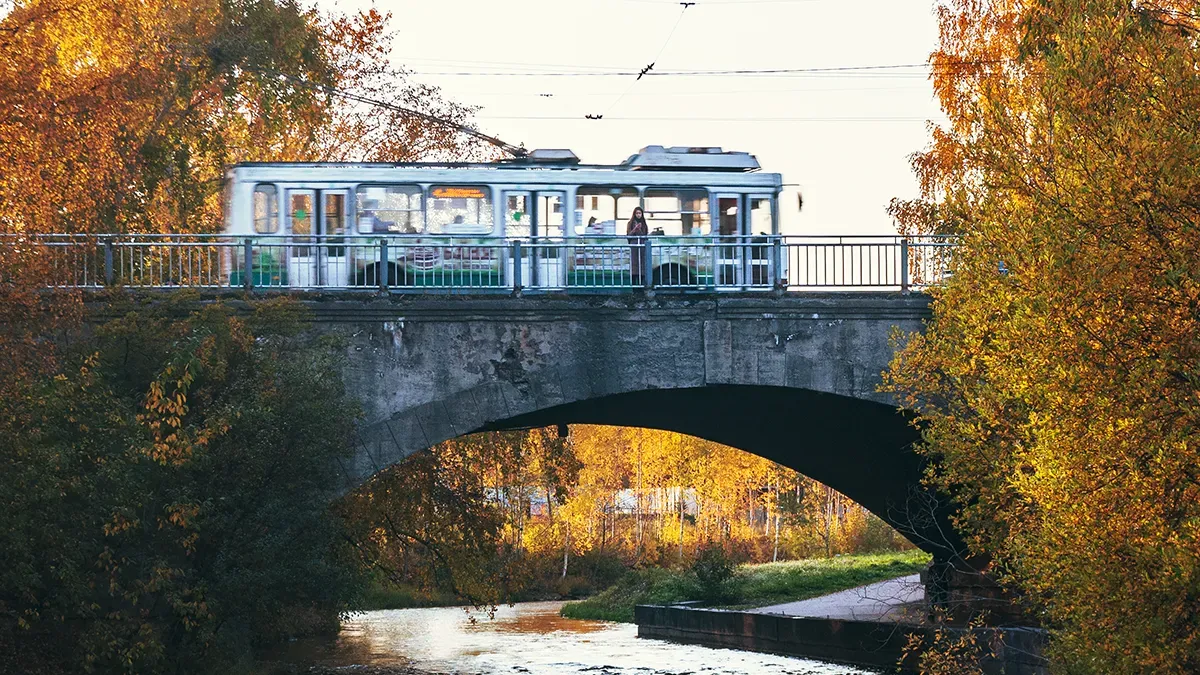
(643, 72)
(707, 119)
(874, 70)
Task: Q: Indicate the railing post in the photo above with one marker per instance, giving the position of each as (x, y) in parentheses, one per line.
(648, 264)
(108, 261)
(904, 264)
(384, 265)
(516, 267)
(248, 263)
(716, 261)
(777, 263)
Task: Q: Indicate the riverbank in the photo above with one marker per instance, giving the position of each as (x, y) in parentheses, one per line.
(751, 585)
(526, 638)
(342, 669)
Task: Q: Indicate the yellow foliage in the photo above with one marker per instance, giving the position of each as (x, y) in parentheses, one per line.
(1059, 380)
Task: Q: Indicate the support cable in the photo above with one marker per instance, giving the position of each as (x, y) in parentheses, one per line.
(515, 151)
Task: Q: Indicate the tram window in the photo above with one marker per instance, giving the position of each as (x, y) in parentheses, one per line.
(516, 215)
(335, 213)
(727, 208)
(392, 209)
(266, 210)
(460, 209)
(677, 212)
(301, 210)
(760, 215)
(611, 206)
(550, 214)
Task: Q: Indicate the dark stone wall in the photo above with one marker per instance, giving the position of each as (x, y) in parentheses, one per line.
(1009, 651)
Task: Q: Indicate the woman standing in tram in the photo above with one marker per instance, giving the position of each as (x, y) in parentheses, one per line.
(637, 231)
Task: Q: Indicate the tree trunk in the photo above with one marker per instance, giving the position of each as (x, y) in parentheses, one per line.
(681, 523)
(637, 509)
(566, 551)
(775, 554)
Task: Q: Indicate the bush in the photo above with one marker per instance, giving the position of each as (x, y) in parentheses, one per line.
(714, 571)
(574, 587)
(601, 570)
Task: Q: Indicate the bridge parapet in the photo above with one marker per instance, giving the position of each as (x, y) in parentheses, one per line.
(440, 264)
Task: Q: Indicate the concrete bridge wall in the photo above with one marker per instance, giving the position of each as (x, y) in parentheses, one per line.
(790, 378)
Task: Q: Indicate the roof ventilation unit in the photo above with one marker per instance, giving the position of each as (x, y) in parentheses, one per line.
(553, 156)
(656, 157)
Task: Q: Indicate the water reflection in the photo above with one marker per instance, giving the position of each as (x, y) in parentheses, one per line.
(528, 638)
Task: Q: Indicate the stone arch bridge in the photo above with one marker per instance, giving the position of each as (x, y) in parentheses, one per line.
(792, 378)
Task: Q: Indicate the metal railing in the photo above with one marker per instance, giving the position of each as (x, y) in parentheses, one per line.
(461, 264)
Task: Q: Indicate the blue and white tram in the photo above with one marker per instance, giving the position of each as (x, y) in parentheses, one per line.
(453, 224)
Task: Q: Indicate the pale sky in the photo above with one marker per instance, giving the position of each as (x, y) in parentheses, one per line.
(842, 138)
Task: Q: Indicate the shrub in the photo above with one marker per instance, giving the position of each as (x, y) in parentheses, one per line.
(713, 570)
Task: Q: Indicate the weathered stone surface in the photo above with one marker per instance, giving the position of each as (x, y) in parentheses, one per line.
(792, 378)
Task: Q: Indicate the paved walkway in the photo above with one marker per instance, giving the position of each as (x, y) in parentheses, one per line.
(891, 600)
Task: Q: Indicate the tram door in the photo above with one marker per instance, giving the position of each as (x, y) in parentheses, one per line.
(302, 225)
(333, 261)
(316, 221)
(536, 218)
(760, 224)
(732, 253)
(518, 224)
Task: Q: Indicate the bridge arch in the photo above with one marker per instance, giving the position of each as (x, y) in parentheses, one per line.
(793, 380)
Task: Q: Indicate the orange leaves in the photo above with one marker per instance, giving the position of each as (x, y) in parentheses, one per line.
(165, 407)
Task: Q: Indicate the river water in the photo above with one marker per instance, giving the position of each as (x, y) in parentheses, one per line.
(528, 639)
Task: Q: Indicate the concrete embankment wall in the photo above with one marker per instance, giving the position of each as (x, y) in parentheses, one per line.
(1014, 651)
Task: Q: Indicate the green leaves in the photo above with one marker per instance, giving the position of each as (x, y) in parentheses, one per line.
(173, 505)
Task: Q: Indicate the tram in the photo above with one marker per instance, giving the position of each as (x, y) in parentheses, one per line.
(454, 224)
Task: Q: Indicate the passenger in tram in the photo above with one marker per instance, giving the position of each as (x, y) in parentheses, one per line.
(637, 231)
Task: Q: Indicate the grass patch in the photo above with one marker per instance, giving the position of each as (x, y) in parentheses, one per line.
(751, 586)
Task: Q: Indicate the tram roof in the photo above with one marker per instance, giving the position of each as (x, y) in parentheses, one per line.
(499, 172)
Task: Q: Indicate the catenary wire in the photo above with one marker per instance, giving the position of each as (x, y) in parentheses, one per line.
(657, 56)
(884, 68)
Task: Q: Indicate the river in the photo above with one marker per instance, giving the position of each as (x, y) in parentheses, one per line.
(529, 639)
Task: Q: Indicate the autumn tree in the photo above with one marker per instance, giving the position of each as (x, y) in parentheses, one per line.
(1058, 381)
(122, 116)
(165, 496)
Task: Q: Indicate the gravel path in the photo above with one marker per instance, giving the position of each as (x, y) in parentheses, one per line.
(894, 600)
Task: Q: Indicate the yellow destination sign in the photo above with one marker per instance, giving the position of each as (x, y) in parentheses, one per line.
(457, 192)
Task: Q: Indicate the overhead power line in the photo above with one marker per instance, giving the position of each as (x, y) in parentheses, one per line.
(577, 118)
(646, 71)
(886, 68)
(701, 92)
